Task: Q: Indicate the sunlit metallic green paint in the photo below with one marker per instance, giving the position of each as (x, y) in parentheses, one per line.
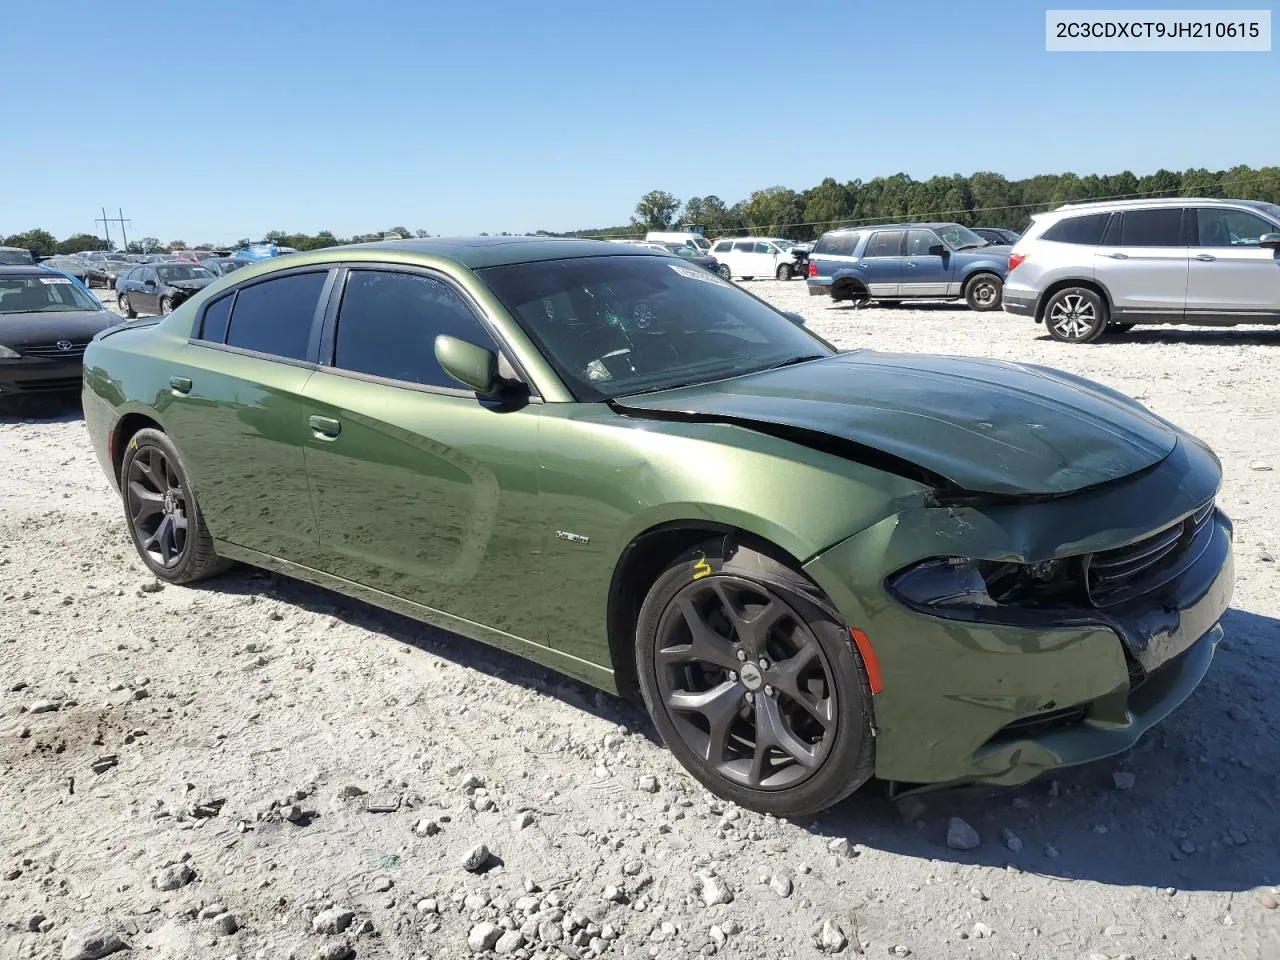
(455, 511)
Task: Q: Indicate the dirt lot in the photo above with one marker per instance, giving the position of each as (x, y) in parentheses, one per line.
(259, 768)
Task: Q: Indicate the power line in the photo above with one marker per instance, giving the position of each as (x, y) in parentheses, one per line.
(934, 214)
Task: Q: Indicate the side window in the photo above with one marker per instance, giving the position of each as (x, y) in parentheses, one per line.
(886, 243)
(1087, 229)
(276, 316)
(722, 247)
(743, 246)
(388, 324)
(765, 248)
(919, 242)
(216, 316)
(1217, 227)
(1161, 227)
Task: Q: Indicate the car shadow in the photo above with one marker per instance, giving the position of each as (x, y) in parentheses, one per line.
(45, 408)
(922, 306)
(459, 650)
(1233, 336)
(1199, 816)
(1075, 824)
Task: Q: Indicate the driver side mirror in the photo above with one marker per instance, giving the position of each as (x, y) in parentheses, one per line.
(937, 250)
(1271, 240)
(795, 318)
(474, 367)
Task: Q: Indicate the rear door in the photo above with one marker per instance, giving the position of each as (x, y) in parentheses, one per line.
(925, 274)
(742, 258)
(882, 262)
(1142, 263)
(237, 413)
(1230, 275)
(146, 298)
(421, 489)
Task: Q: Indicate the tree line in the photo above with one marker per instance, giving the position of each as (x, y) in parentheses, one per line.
(982, 199)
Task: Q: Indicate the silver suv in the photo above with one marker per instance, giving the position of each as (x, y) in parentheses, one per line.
(1087, 268)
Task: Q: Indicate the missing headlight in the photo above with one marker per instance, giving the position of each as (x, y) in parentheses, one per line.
(954, 583)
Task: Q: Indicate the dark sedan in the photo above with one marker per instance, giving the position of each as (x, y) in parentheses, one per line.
(997, 235)
(69, 265)
(691, 253)
(159, 287)
(105, 272)
(46, 321)
(223, 265)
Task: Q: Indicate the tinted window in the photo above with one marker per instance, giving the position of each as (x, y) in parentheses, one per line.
(744, 246)
(886, 243)
(765, 248)
(1229, 228)
(919, 242)
(1087, 229)
(389, 322)
(275, 317)
(214, 325)
(1152, 228)
(722, 246)
(837, 244)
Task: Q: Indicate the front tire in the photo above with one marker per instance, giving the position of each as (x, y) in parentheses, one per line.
(784, 271)
(162, 513)
(122, 301)
(166, 306)
(725, 272)
(1076, 315)
(753, 682)
(983, 292)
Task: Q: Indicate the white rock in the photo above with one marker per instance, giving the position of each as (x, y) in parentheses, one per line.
(172, 877)
(715, 891)
(333, 920)
(484, 936)
(961, 836)
(476, 858)
(509, 942)
(90, 944)
(831, 939)
(981, 931)
(781, 884)
(649, 784)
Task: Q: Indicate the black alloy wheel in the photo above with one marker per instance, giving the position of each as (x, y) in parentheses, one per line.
(752, 681)
(156, 501)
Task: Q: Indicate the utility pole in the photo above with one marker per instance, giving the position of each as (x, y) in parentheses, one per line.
(105, 225)
(122, 223)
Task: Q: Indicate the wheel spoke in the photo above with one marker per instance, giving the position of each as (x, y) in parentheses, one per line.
(752, 631)
(786, 676)
(147, 502)
(706, 645)
(720, 706)
(772, 730)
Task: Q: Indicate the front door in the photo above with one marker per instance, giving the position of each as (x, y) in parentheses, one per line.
(422, 490)
(143, 297)
(882, 263)
(237, 414)
(1142, 263)
(925, 274)
(1230, 275)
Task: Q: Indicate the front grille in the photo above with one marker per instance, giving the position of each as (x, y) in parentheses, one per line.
(1116, 575)
(51, 385)
(51, 351)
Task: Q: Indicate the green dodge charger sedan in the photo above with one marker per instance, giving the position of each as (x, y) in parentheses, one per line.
(814, 567)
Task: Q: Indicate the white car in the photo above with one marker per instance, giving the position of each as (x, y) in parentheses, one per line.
(751, 257)
(682, 237)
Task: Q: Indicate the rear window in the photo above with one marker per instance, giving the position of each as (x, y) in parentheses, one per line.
(216, 316)
(1087, 229)
(276, 316)
(837, 244)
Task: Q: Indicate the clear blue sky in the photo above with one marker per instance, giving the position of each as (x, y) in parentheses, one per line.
(220, 120)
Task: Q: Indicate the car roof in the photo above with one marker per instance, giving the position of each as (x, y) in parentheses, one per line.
(1154, 202)
(23, 270)
(478, 252)
(928, 224)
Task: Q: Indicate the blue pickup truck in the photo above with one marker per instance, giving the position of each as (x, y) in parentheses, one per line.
(909, 261)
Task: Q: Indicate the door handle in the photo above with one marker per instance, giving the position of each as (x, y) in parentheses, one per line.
(180, 385)
(325, 427)
(1118, 256)
(909, 263)
(1205, 257)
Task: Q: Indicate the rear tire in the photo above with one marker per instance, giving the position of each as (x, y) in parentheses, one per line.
(767, 704)
(784, 271)
(725, 272)
(122, 301)
(1119, 327)
(983, 292)
(160, 508)
(1076, 315)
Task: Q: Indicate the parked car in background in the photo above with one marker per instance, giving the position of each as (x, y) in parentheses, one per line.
(160, 287)
(223, 265)
(997, 235)
(262, 250)
(106, 271)
(908, 261)
(751, 257)
(813, 566)
(15, 256)
(46, 321)
(1089, 268)
(688, 252)
(70, 266)
(686, 237)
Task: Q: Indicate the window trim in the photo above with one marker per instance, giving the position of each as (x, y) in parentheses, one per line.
(1191, 225)
(902, 243)
(906, 240)
(327, 345)
(1123, 216)
(313, 339)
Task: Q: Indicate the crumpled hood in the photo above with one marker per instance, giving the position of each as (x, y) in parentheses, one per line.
(190, 285)
(984, 426)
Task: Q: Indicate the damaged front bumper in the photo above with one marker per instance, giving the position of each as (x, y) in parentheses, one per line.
(1002, 703)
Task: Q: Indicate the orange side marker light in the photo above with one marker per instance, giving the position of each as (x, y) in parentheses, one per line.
(868, 659)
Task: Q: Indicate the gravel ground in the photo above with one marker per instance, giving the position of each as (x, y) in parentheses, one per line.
(259, 768)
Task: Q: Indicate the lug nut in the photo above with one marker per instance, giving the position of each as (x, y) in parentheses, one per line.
(768, 691)
(751, 697)
(764, 664)
(733, 677)
(742, 654)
